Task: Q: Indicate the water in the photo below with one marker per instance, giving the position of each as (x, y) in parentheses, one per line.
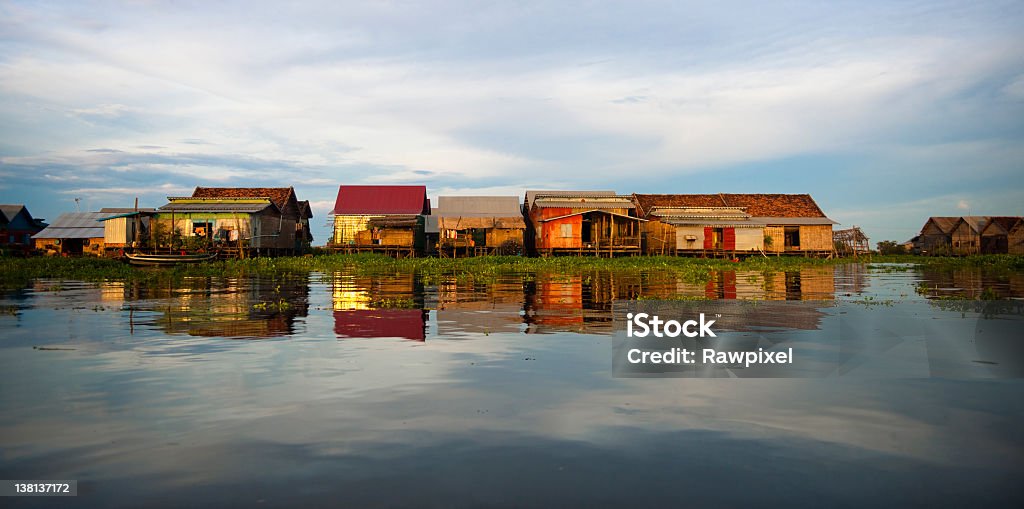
(346, 390)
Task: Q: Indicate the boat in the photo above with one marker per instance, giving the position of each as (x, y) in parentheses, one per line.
(165, 260)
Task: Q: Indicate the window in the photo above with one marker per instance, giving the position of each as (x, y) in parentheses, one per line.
(566, 230)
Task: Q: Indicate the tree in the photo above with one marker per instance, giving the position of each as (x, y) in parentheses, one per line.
(889, 247)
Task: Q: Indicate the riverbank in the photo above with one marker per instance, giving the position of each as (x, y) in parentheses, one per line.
(18, 272)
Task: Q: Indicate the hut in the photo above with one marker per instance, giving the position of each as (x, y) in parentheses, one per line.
(125, 228)
(734, 224)
(17, 226)
(966, 235)
(236, 226)
(479, 225)
(382, 219)
(293, 234)
(935, 237)
(995, 236)
(1015, 239)
(73, 234)
(598, 223)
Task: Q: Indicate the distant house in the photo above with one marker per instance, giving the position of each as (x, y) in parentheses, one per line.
(966, 235)
(707, 224)
(995, 236)
(73, 234)
(242, 225)
(1015, 238)
(17, 226)
(936, 235)
(480, 225)
(385, 219)
(125, 227)
(293, 230)
(598, 223)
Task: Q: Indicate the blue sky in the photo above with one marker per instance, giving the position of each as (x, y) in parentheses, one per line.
(886, 112)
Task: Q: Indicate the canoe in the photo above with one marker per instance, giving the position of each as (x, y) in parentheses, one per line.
(163, 260)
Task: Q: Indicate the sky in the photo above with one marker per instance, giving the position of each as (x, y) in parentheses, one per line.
(885, 112)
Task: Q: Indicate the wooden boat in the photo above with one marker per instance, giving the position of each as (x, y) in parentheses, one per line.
(164, 260)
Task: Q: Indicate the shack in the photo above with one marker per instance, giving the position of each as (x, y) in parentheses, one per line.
(995, 236)
(734, 224)
(125, 228)
(72, 234)
(966, 235)
(936, 235)
(380, 219)
(234, 226)
(293, 234)
(17, 226)
(479, 225)
(1015, 239)
(597, 223)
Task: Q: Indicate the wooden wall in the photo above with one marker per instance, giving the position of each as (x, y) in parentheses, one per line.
(1015, 240)
(498, 236)
(816, 238)
(661, 237)
(965, 240)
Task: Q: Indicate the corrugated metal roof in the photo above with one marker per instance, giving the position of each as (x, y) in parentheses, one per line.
(713, 221)
(479, 206)
(123, 210)
(363, 200)
(593, 210)
(243, 208)
(74, 225)
(596, 203)
(10, 211)
(795, 221)
(430, 224)
(532, 195)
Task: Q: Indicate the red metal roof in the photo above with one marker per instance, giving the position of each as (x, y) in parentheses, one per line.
(381, 323)
(356, 200)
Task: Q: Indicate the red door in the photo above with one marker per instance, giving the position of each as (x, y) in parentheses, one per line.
(709, 240)
(729, 239)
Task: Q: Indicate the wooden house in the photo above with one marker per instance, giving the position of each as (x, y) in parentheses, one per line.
(125, 228)
(17, 226)
(479, 225)
(734, 224)
(72, 234)
(995, 236)
(1015, 238)
(598, 223)
(935, 237)
(966, 235)
(234, 225)
(293, 233)
(383, 219)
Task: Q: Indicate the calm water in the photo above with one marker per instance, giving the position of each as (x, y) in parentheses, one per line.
(340, 390)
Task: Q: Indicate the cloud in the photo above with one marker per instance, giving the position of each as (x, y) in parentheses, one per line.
(963, 205)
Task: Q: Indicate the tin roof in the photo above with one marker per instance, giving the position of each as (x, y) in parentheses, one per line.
(757, 205)
(251, 207)
(359, 200)
(589, 202)
(123, 210)
(532, 195)
(593, 210)
(9, 212)
(74, 225)
(479, 206)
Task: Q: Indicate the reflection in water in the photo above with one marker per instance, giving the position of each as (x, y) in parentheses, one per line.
(228, 307)
(484, 407)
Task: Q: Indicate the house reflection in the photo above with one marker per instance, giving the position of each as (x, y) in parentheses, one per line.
(378, 306)
(229, 307)
(480, 308)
